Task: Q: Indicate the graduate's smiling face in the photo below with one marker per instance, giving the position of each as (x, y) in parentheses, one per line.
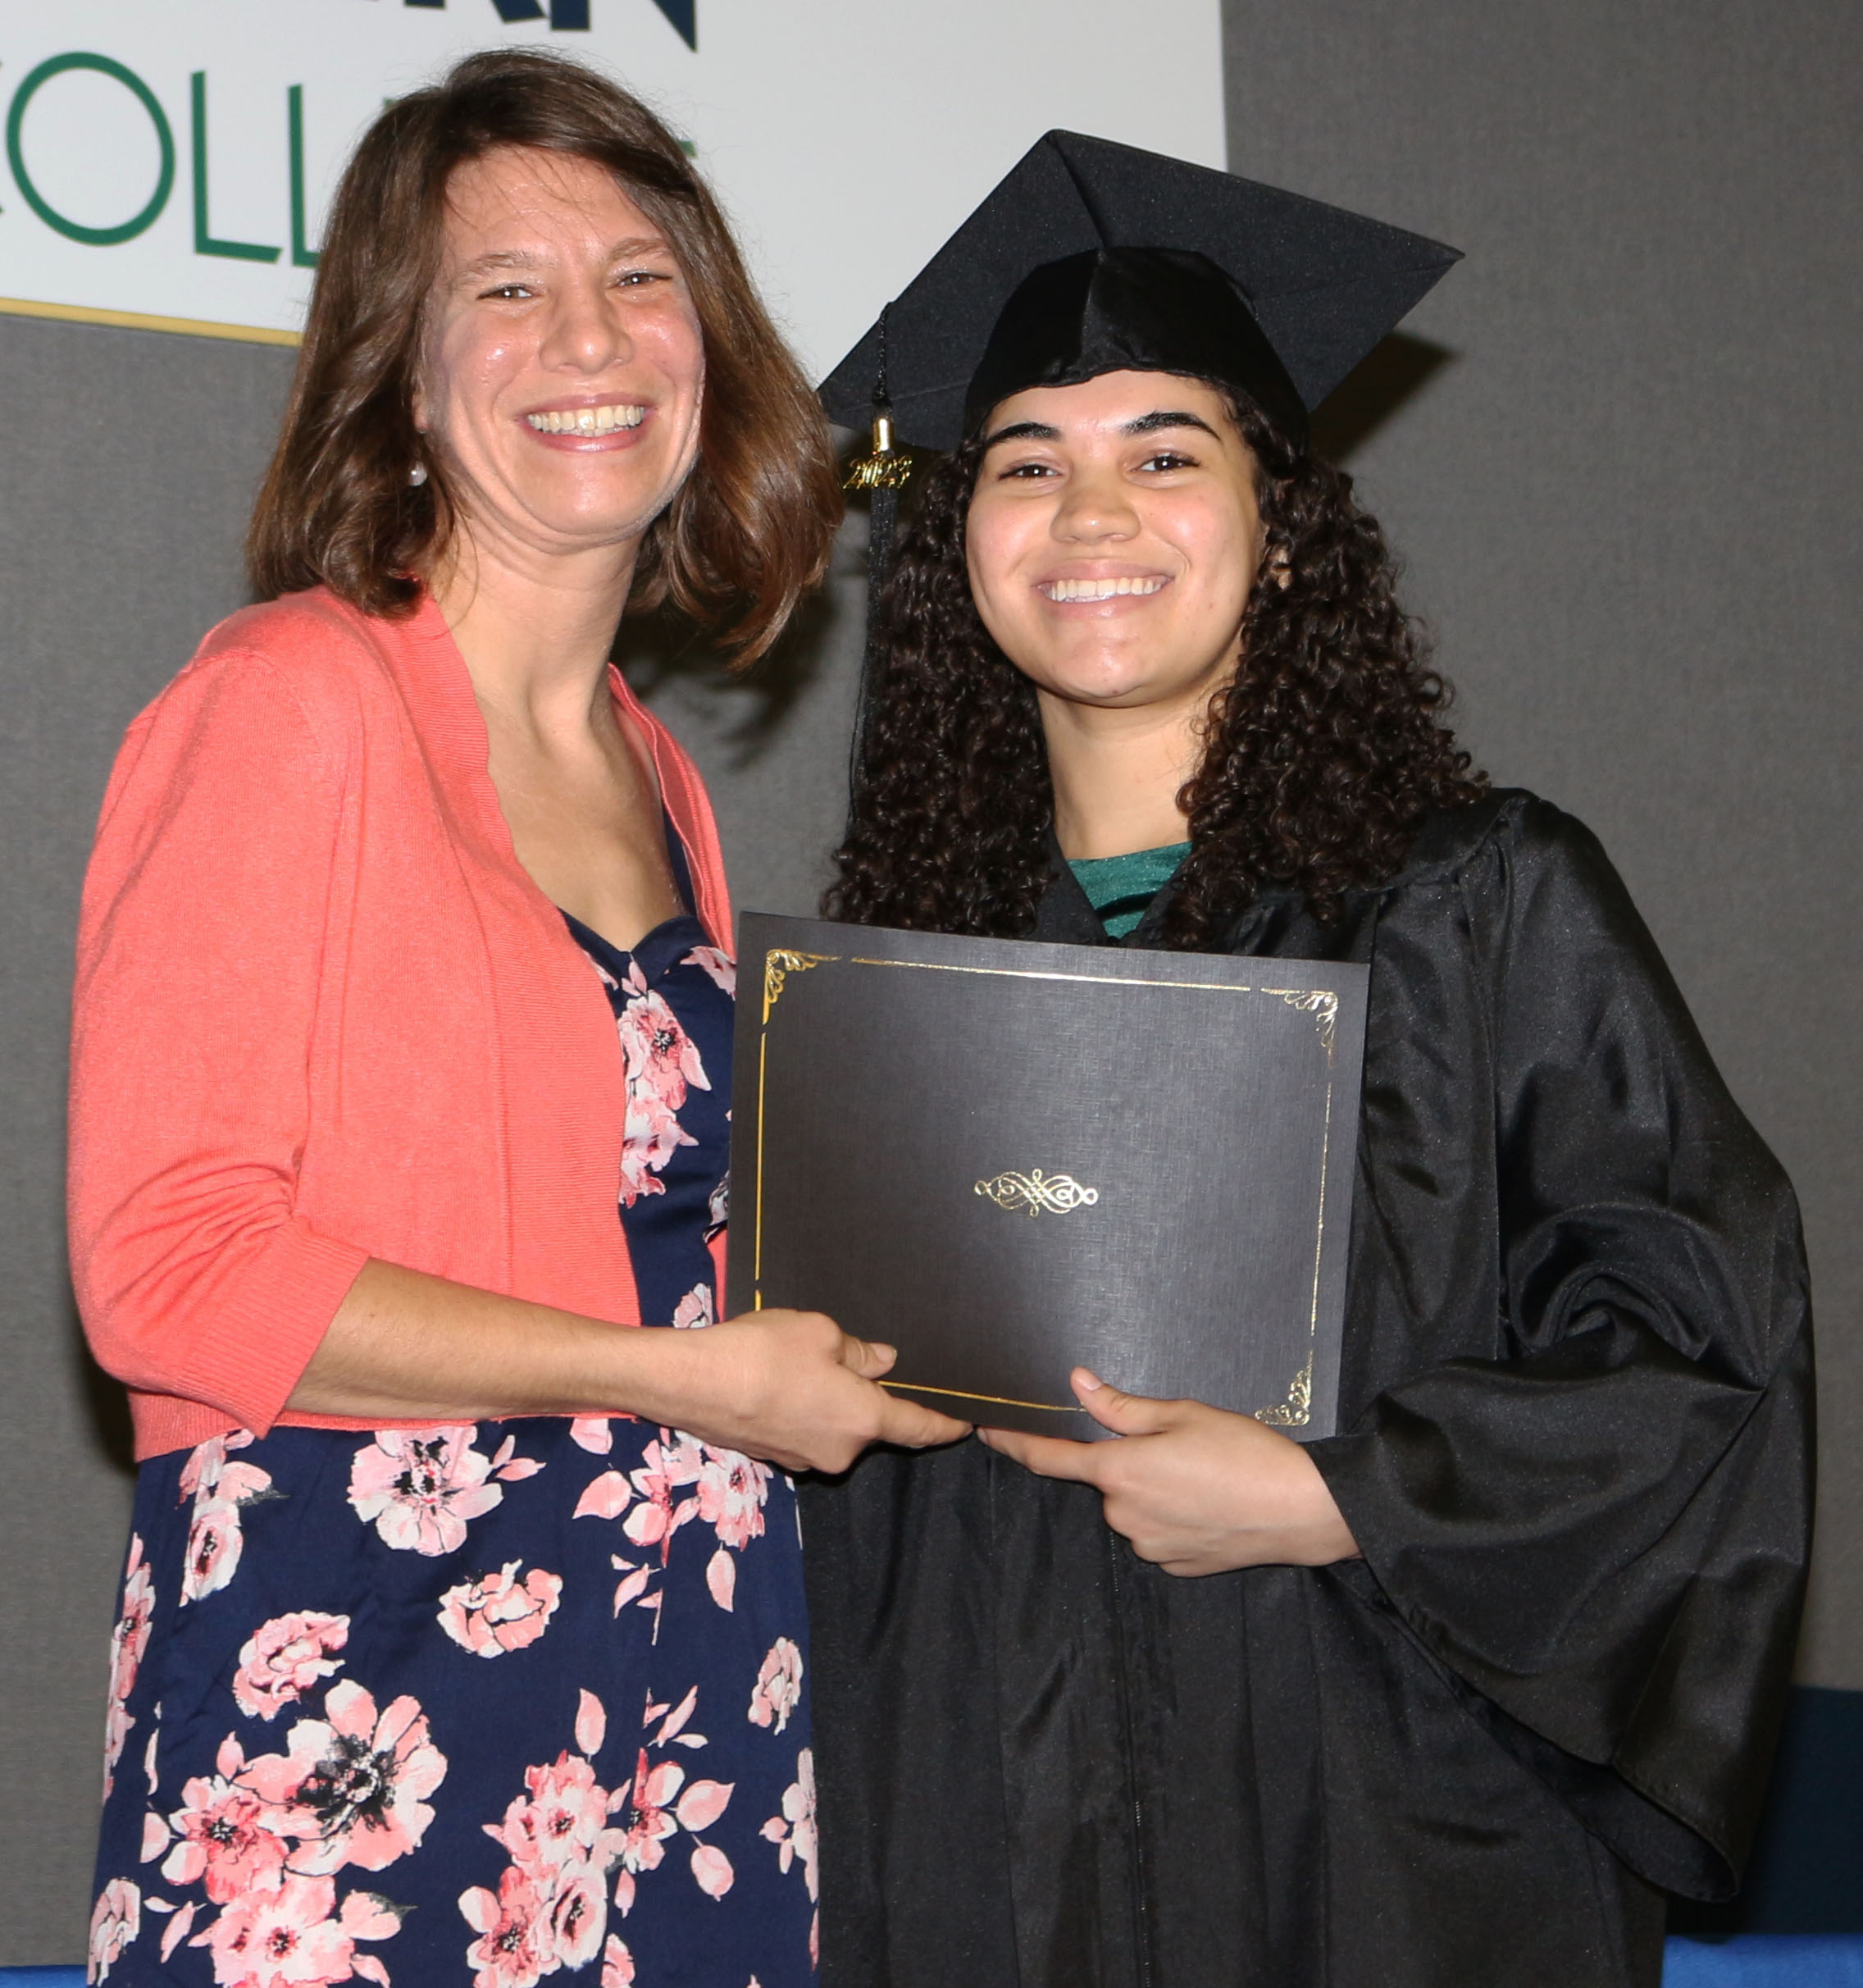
(1114, 538)
(562, 370)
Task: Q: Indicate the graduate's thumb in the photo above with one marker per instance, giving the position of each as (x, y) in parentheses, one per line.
(1126, 1415)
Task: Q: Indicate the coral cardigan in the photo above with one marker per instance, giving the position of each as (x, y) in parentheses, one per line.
(322, 1014)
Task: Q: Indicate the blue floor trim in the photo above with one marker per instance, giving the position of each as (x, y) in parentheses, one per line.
(1766, 1960)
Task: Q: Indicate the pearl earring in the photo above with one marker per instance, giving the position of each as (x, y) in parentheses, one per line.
(418, 475)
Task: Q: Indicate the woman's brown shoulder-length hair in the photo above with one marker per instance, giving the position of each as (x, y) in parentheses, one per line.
(748, 532)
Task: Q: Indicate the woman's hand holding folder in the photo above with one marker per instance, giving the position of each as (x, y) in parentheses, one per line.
(789, 1387)
(792, 1388)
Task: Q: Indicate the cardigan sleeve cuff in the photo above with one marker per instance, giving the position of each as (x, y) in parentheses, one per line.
(266, 1324)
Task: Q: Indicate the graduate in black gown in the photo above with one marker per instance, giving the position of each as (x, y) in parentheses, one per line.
(1451, 1697)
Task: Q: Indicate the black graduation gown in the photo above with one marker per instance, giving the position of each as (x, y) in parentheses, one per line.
(1576, 1454)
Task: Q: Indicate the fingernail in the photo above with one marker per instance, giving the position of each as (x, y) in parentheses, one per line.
(1085, 1377)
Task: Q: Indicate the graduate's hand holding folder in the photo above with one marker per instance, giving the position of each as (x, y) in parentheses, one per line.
(1196, 1489)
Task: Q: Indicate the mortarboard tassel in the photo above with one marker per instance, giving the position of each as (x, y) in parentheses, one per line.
(884, 471)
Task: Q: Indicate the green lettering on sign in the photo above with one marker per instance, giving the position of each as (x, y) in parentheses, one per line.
(304, 256)
(72, 231)
(204, 242)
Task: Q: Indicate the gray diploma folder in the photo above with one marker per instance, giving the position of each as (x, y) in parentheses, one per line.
(1007, 1159)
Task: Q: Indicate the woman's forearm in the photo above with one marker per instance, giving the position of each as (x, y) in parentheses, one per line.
(784, 1385)
(404, 1344)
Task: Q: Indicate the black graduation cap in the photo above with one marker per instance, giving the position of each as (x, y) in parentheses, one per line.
(1091, 257)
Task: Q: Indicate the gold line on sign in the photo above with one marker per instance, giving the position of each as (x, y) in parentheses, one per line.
(143, 320)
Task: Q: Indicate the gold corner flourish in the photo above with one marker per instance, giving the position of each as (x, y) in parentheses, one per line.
(1038, 1192)
(1297, 1410)
(779, 964)
(1319, 1002)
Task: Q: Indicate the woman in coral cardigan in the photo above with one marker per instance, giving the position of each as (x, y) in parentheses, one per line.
(462, 1633)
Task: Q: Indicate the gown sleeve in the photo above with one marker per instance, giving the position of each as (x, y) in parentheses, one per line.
(1600, 1537)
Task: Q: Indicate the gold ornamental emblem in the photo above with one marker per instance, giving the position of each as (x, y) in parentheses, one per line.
(1037, 1193)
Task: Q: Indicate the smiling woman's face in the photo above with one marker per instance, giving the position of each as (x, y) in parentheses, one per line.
(1114, 538)
(562, 370)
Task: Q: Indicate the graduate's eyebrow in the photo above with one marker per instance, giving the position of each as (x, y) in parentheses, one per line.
(1175, 417)
(1021, 432)
(1145, 424)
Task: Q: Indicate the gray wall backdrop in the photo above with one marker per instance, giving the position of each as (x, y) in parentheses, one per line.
(1619, 447)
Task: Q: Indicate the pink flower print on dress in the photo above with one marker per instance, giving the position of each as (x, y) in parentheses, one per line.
(720, 965)
(662, 1804)
(228, 1836)
(221, 1491)
(128, 1642)
(661, 1061)
(778, 1688)
(591, 1722)
(721, 1579)
(420, 1486)
(794, 1831)
(711, 1870)
(605, 1497)
(618, 1963)
(563, 1850)
(514, 1947)
(668, 1464)
(651, 1820)
(651, 1134)
(283, 1658)
(695, 1308)
(116, 1724)
(552, 1906)
(593, 1432)
(350, 1786)
(578, 1914)
(732, 1491)
(293, 1937)
(215, 1539)
(561, 1822)
(659, 1055)
(498, 1611)
(674, 1721)
(700, 1806)
(115, 1920)
(178, 1928)
(206, 1460)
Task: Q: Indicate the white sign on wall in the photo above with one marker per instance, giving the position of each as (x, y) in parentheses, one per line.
(168, 162)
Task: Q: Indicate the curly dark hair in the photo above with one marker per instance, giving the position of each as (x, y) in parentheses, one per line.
(1323, 752)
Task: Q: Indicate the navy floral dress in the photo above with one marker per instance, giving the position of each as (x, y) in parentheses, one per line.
(483, 1703)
